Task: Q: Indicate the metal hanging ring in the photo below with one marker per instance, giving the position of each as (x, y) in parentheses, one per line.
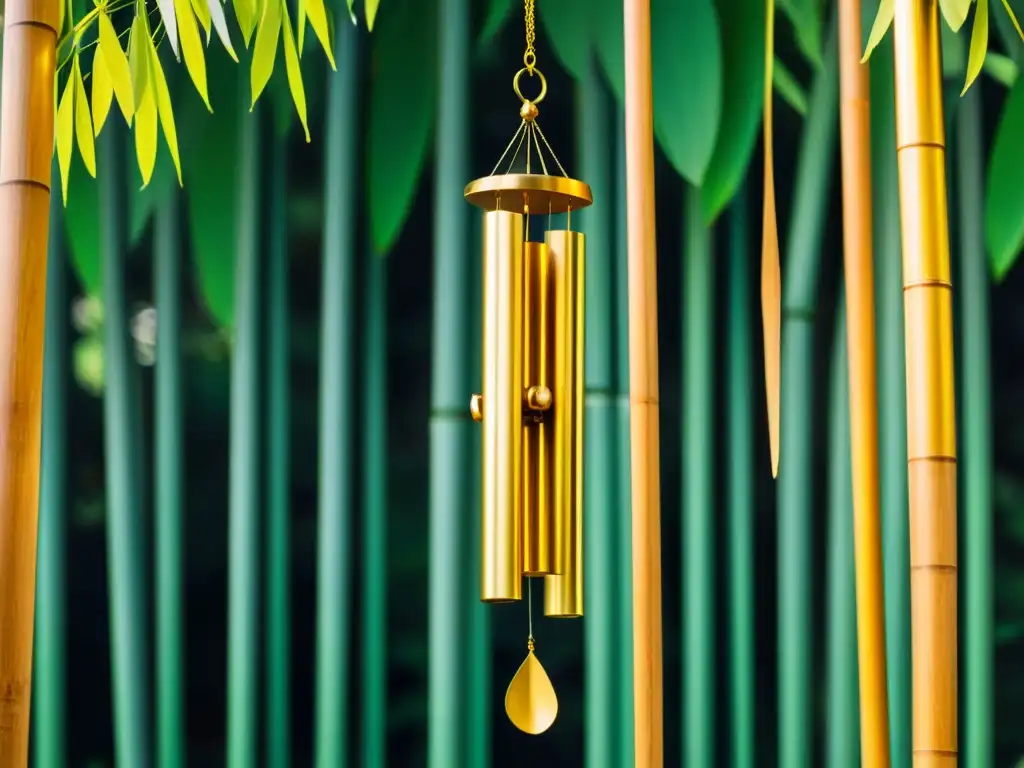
(543, 85)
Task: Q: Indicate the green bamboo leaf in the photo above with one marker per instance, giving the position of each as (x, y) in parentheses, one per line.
(687, 65)
(138, 59)
(608, 41)
(498, 14)
(1013, 18)
(82, 229)
(787, 86)
(404, 83)
(246, 13)
(979, 44)
(565, 23)
(65, 134)
(264, 52)
(805, 16)
(1004, 197)
(742, 25)
(316, 12)
(955, 12)
(1001, 68)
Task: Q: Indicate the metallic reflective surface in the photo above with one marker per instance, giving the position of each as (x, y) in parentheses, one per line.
(541, 193)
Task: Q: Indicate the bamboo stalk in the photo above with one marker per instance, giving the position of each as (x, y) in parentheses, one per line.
(600, 524)
(892, 404)
(30, 35)
(50, 643)
(855, 130)
(740, 493)
(931, 418)
(450, 436)
(796, 484)
(169, 488)
(643, 389)
(623, 488)
(841, 748)
(125, 550)
(375, 512)
(698, 530)
(976, 415)
(278, 541)
(334, 599)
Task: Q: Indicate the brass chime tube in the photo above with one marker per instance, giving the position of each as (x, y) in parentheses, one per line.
(563, 593)
(540, 557)
(931, 428)
(502, 525)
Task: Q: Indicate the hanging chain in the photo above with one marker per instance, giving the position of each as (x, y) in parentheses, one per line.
(530, 57)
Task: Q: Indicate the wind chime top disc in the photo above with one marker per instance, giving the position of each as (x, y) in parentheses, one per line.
(540, 192)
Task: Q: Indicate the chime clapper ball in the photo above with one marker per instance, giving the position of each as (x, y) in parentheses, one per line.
(538, 398)
(528, 111)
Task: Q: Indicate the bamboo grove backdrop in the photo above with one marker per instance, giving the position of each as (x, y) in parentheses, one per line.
(259, 494)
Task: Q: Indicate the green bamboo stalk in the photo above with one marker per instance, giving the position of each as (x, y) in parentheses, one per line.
(49, 676)
(375, 513)
(795, 485)
(169, 478)
(601, 628)
(125, 572)
(278, 542)
(976, 421)
(740, 491)
(892, 404)
(842, 734)
(334, 599)
(623, 473)
(244, 514)
(450, 441)
(698, 544)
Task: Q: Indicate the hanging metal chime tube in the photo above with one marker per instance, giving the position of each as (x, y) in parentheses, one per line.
(931, 423)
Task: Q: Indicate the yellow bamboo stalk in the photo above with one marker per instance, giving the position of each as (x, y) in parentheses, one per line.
(643, 387)
(26, 146)
(931, 427)
(855, 130)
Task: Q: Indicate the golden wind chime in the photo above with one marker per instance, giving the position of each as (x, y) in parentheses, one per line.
(531, 407)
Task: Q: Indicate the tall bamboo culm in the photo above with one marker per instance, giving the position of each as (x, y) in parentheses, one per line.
(855, 131)
(931, 427)
(648, 716)
(26, 148)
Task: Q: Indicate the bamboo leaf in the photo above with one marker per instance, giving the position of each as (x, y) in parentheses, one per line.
(202, 11)
(82, 229)
(317, 13)
(291, 63)
(300, 24)
(117, 66)
(498, 13)
(264, 51)
(1004, 198)
(806, 18)
(955, 12)
(687, 66)
(102, 91)
(245, 12)
(66, 133)
(370, 9)
(786, 85)
(164, 110)
(979, 44)
(398, 148)
(138, 59)
(742, 25)
(145, 135)
(1013, 18)
(1001, 68)
(568, 33)
(352, 12)
(166, 8)
(221, 25)
(192, 48)
(883, 20)
(83, 120)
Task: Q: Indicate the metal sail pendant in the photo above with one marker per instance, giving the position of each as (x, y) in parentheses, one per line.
(530, 701)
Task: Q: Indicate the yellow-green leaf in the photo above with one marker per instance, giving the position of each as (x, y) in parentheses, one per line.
(955, 12)
(202, 11)
(102, 91)
(1013, 18)
(66, 133)
(83, 120)
(318, 21)
(117, 67)
(291, 65)
(245, 12)
(265, 49)
(221, 25)
(979, 44)
(300, 24)
(883, 20)
(192, 48)
(371, 12)
(145, 135)
(163, 107)
(138, 59)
